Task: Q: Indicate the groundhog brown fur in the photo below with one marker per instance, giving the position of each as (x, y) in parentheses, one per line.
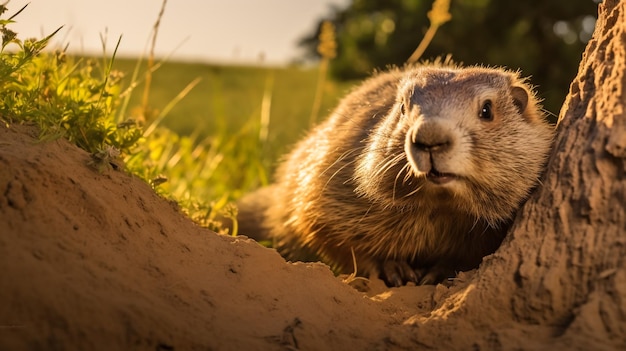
(415, 175)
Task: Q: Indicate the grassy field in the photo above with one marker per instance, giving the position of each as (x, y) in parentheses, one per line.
(230, 130)
(228, 100)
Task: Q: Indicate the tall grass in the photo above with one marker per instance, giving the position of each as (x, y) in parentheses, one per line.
(65, 97)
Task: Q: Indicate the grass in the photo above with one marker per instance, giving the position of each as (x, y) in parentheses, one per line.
(229, 98)
(66, 98)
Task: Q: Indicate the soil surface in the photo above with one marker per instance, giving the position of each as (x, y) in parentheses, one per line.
(95, 260)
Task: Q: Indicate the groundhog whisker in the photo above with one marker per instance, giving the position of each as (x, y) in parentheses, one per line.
(332, 176)
(341, 158)
(404, 169)
(408, 195)
(408, 175)
(387, 165)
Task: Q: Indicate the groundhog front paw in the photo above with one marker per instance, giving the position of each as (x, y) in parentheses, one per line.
(398, 273)
(435, 275)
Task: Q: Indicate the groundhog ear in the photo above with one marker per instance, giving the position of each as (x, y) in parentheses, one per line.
(520, 98)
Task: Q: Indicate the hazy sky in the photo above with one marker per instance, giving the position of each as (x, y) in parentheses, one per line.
(206, 30)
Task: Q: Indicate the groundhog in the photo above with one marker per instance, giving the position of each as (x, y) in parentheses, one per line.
(416, 175)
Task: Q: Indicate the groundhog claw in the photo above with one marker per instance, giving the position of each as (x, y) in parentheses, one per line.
(398, 273)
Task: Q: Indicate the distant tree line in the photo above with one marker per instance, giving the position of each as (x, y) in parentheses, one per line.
(545, 39)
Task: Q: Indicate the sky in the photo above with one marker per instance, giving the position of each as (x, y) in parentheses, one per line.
(234, 31)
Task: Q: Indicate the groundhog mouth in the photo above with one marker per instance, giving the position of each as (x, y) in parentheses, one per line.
(440, 178)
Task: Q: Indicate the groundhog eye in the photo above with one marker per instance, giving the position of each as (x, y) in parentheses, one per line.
(486, 113)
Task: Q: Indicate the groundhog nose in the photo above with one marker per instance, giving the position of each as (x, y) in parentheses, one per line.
(430, 137)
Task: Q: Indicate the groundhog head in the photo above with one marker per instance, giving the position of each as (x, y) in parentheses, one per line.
(471, 139)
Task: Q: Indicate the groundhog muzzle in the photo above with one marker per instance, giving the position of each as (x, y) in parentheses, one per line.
(416, 175)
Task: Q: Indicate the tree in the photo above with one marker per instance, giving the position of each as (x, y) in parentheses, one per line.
(542, 38)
